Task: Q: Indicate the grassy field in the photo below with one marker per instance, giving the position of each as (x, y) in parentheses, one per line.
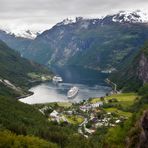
(125, 99)
(95, 100)
(118, 112)
(42, 77)
(64, 104)
(74, 119)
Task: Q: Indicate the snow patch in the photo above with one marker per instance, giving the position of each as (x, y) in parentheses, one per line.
(66, 22)
(132, 17)
(21, 33)
(25, 34)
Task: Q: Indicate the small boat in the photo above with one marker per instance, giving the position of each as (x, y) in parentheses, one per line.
(72, 93)
(57, 79)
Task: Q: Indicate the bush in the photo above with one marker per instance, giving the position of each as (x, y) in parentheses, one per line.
(11, 140)
(143, 90)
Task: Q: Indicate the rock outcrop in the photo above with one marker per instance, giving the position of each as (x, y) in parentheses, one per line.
(138, 135)
(144, 133)
(143, 68)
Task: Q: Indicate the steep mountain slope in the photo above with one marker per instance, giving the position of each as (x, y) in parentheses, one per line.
(95, 43)
(27, 34)
(16, 71)
(133, 133)
(15, 42)
(20, 123)
(17, 117)
(134, 74)
(131, 17)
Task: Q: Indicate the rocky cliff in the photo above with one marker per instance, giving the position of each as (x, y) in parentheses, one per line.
(133, 74)
(142, 71)
(138, 135)
(144, 134)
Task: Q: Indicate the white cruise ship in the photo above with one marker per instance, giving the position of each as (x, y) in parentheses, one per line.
(57, 79)
(72, 92)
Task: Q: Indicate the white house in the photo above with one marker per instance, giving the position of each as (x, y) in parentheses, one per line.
(54, 114)
(118, 121)
(98, 104)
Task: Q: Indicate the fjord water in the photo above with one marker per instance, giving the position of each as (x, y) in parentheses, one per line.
(90, 83)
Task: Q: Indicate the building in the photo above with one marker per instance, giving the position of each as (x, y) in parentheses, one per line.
(54, 114)
(98, 104)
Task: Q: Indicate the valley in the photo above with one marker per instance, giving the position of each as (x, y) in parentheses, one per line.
(105, 58)
(102, 43)
(90, 83)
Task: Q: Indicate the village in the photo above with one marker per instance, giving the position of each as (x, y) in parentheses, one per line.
(90, 114)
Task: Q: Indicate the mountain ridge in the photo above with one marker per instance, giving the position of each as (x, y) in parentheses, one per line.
(99, 43)
(136, 16)
(134, 74)
(18, 73)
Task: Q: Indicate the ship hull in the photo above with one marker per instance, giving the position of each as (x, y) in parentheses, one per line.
(73, 96)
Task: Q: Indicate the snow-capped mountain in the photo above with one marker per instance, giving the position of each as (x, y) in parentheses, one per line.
(24, 34)
(28, 34)
(131, 17)
(66, 22)
(121, 17)
(108, 40)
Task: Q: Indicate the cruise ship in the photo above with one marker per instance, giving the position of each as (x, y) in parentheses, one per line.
(57, 79)
(72, 92)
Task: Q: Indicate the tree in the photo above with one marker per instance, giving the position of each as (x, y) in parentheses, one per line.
(143, 90)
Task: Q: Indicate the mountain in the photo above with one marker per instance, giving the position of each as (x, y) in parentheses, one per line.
(18, 120)
(22, 33)
(133, 74)
(16, 71)
(19, 44)
(28, 34)
(131, 17)
(95, 43)
(23, 125)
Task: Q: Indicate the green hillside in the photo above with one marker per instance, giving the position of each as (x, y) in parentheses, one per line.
(11, 140)
(17, 69)
(23, 125)
(133, 133)
(132, 74)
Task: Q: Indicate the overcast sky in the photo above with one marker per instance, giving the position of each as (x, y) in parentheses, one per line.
(43, 14)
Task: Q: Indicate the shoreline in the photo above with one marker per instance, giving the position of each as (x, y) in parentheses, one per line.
(30, 93)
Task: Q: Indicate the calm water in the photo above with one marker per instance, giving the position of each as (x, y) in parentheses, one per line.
(90, 83)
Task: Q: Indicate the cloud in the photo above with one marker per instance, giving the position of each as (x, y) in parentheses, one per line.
(42, 14)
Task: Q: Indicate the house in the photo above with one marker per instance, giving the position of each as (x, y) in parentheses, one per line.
(98, 104)
(95, 120)
(118, 121)
(70, 112)
(85, 108)
(54, 114)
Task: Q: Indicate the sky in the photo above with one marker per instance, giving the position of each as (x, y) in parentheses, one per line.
(39, 15)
